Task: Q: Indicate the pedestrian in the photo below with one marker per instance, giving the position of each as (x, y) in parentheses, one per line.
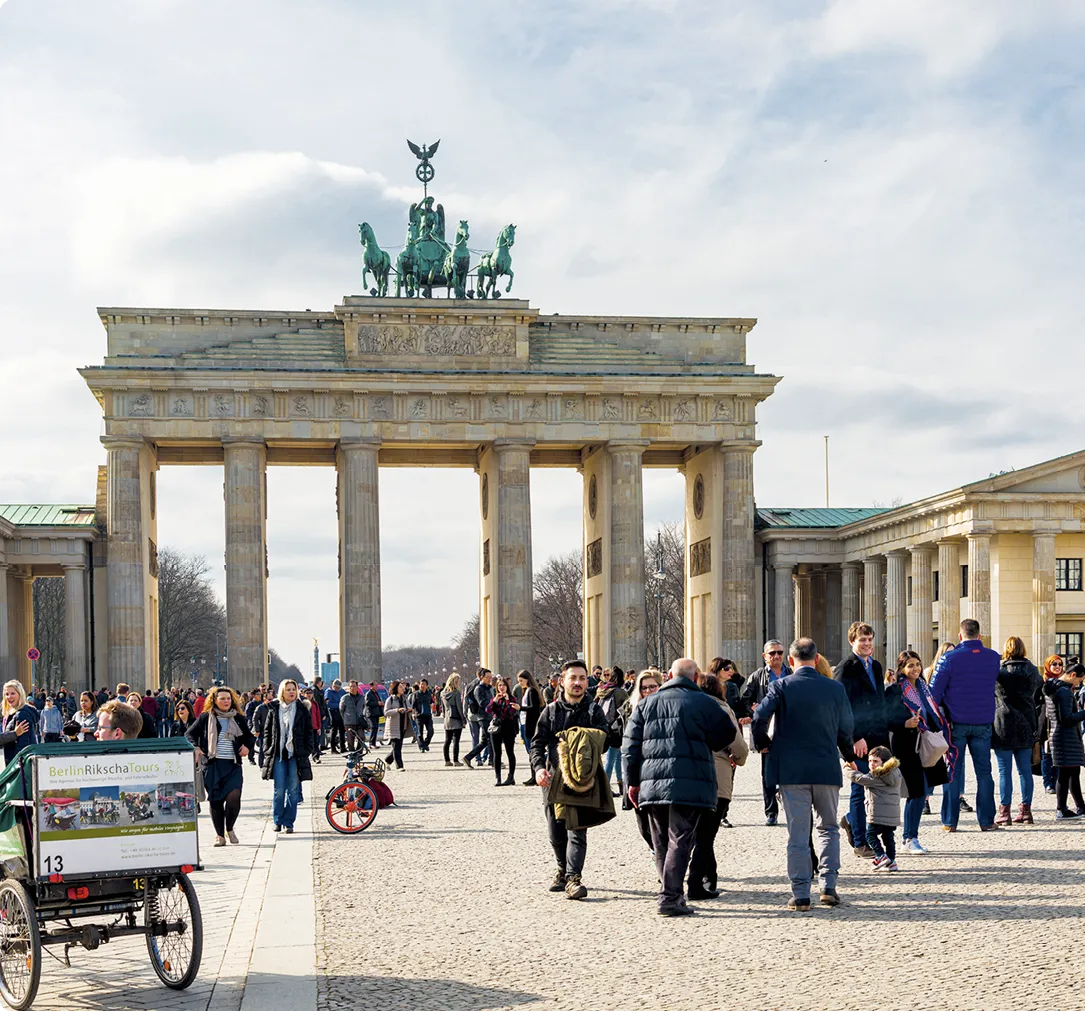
(325, 715)
(1016, 729)
(1064, 719)
(315, 719)
(670, 771)
(703, 874)
(1054, 665)
(567, 825)
(397, 714)
(504, 714)
(183, 720)
(374, 708)
(646, 683)
(222, 740)
(530, 698)
(910, 711)
(864, 683)
(352, 711)
(724, 669)
(452, 703)
(254, 703)
(882, 785)
(135, 700)
(474, 704)
(477, 700)
(611, 695)
(20, 726)
(163, 713)
(287, 741)
(333, 696)
(753, 692)
(86, 717)
(813, 728)
(964, 686)
(50, 722)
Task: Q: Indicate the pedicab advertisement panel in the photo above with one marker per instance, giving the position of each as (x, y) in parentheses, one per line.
(114, 813)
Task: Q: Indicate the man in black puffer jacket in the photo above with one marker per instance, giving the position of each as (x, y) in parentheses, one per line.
(671, 773)
(572, 708)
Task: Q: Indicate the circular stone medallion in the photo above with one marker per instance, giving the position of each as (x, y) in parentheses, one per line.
(698, 497)
(593, 496)
(485, 495)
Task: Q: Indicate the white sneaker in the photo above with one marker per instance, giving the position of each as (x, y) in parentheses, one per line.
(915, 846)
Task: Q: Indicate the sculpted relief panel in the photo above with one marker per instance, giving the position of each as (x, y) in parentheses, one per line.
(435, 339)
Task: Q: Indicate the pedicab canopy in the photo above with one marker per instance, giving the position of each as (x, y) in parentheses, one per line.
(92, 809)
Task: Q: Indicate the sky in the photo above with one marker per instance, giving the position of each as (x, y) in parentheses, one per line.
(892, 188)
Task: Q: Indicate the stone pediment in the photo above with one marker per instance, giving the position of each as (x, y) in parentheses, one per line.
(1061, 476)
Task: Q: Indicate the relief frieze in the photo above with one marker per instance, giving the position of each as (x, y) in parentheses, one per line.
(435, 339)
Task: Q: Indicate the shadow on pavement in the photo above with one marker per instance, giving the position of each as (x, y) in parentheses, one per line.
(344, 993)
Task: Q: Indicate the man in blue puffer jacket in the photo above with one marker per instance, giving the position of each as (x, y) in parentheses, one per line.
(963, 684)
(671, 774)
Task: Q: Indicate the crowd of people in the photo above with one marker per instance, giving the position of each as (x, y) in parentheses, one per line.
(673, 741)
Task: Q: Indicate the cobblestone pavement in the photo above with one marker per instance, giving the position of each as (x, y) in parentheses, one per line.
(443, 904)
(231, 892)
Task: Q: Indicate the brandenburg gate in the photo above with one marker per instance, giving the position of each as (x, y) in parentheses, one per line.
(411, 380)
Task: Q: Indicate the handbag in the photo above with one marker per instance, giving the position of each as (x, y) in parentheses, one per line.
(1037, 759)
(494, 727)
(931, 746)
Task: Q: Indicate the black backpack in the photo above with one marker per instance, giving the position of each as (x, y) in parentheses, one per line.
(472, 703)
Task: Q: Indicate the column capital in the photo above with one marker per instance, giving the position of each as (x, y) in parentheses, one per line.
(897, 553)
(778, 564)
(856, 566)
(946, 542)
(123, 442)
(739, 446)
(359, 442)
(67, 566)
(243, 440)
(921, 549)
(979, 535)
(528, 444)
(628, 445)
(1037, 534)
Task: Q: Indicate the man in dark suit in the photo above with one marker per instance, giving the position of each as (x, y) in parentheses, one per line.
(863, 680)
(813, 728)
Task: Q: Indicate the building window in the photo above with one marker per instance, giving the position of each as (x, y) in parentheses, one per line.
(1068, 644)
(935, 587)
(909, 591)
(964, 580)
(1067, 573)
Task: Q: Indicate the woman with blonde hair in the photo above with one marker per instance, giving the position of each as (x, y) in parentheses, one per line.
(1054, 665)
(286, 742)
(222, 740)
(452, 702)
(20, 726)
(1018, 696)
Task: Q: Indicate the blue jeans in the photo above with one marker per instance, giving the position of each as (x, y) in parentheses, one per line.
(975, 738)
(614, 761)
(1048, 772)
(287, 788)
(913, 811)
(857, 810)
(1022, 758)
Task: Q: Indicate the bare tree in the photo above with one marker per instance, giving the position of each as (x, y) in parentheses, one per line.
(191, 619)
(558, 610)
(278, 669)
(665, 592)
(49, 628)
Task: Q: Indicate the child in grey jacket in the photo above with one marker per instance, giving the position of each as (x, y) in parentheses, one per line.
(882, 804)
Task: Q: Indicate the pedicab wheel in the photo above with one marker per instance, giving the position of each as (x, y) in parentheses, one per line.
(174, 931)
(20, 947)
(351, 807)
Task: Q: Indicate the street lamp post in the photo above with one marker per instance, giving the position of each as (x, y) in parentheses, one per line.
(659, 575)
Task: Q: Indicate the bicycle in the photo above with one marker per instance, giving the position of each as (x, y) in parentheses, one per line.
(351, 806)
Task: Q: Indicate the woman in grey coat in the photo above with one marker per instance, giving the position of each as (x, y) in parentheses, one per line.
(397, 716)
(452, 703)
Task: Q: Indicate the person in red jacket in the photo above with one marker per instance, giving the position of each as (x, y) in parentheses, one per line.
(198, 703)
(314, 713)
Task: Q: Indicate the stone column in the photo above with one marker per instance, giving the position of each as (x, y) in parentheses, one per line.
(949, 591)
(629, 644)
(127, 572)
(833, 595)
(802, 604)
(896, 605)
(849, 599)
(739, 603)
(784, 605)
(515, 639)
(246, 560)
(359, 559)
(7, 659)
(76, 670)
(25, 628)
(818, 610)
(920, 625)
(874, 602)
(979, 583)
(1043, 596)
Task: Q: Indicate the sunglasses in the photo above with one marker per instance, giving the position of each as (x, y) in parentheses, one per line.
(775, 652)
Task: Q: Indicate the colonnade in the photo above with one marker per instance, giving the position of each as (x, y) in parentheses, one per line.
(909, 596)
(720, 572)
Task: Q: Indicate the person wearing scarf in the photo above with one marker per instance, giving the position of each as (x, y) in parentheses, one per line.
(911, 710)
(20, 721)
(222, 740)
(286, 742)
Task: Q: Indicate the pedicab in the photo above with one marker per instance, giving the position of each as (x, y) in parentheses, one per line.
(186, 803)
(85, 885)
(59, 812)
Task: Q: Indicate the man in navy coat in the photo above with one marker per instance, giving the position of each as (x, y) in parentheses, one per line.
(813, 728)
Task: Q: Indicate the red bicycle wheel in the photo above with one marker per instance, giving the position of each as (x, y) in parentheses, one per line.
(351, 807)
